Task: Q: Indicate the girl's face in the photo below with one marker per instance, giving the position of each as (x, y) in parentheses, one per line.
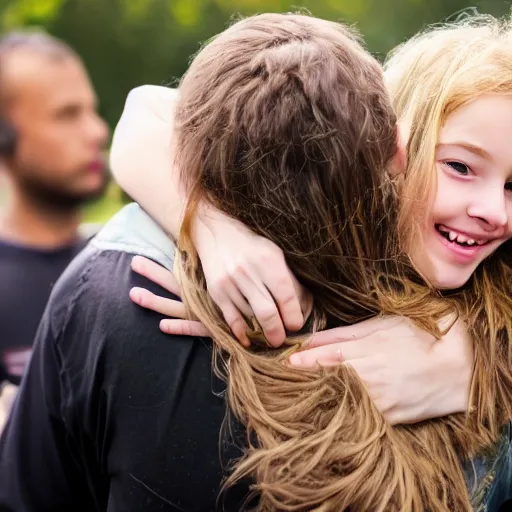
(472, 212)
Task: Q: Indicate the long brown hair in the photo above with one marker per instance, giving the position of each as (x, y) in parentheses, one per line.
(284, 123)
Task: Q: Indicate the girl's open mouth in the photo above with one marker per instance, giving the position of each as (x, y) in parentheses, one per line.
(462, 240)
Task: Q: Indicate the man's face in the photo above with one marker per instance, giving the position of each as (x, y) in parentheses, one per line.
(61, 138)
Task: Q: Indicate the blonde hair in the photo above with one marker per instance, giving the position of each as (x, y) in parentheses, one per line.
(285, 124)
(429, 77)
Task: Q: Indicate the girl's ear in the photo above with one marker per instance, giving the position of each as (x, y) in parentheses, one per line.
(399, 162)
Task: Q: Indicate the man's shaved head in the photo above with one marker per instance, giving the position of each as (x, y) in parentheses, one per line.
(21, 49)
(38, 42)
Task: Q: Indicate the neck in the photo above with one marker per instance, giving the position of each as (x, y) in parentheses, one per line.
(25, 222)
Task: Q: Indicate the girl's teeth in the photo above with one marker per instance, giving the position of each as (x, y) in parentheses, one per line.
(453, 236)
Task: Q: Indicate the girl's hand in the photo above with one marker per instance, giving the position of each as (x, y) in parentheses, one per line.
(247, 275)
(410, 376)
(178, 324)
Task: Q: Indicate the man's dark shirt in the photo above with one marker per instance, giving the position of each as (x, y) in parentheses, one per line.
(114, 415)
(26, 279)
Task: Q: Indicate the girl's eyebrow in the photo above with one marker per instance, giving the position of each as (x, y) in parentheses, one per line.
(476, 150)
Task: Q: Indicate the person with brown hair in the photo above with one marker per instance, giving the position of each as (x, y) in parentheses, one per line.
(295, 136)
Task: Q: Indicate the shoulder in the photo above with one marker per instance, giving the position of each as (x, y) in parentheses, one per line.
(92, 297)
(97, 327)
(149, 401)
(112, 351)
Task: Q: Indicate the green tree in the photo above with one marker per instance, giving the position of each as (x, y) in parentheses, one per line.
(126, 43)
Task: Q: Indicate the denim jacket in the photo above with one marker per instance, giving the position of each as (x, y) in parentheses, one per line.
(488, 476)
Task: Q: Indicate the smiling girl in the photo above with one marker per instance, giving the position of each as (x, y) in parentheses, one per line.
(451, 89)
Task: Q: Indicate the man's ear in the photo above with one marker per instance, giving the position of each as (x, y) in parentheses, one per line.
(8, 138)
(399, 161)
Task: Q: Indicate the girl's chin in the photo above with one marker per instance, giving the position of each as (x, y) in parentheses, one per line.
(449, 278)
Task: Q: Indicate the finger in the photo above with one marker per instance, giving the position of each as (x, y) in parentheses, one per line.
(306, 302)
(229, 292)
(266, 312)
(336, 353)
(364, 369)
(230, 312)
(379, 394)
(351, 332)
(363, 348)
(236, 322)
(395, 416)
(286, 292)
(320, 356)
(156, 273)
(264, 308)
(162, 305)
(183, 328)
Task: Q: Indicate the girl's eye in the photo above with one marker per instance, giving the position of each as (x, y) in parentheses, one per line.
(459, 167)
(508, 186)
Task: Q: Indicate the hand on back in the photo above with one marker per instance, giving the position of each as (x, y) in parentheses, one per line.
(409, 375)
(247, 277)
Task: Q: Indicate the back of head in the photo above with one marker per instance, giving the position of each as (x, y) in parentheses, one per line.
(284, 123)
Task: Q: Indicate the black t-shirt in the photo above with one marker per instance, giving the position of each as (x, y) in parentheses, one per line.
(26, 279)
(112, 414)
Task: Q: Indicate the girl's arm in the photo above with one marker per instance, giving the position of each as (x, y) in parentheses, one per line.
(246, 274)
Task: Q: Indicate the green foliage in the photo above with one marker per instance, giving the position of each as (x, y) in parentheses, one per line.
(108, 205)
(126, 43)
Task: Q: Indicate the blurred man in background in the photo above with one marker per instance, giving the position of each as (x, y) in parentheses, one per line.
(51, 145)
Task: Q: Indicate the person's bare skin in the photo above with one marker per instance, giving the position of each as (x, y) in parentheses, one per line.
(7, 395)
(410, 375)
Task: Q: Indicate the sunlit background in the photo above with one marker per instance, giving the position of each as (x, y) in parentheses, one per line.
(126, 43)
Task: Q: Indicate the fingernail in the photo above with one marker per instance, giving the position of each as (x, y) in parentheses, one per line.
(163, 327)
